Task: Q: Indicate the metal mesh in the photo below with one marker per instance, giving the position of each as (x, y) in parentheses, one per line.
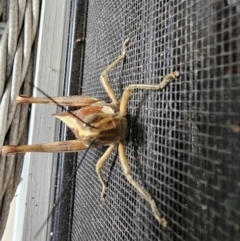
(184, 141)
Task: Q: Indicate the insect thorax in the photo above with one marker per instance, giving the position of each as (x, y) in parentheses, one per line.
(100, 122)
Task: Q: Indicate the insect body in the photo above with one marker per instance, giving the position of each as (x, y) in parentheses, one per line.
(97, 123)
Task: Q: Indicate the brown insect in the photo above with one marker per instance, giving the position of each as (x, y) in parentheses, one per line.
(96, 124)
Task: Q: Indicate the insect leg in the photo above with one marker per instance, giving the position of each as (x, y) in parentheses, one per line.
(100, 165)
(61, 146)
(104, 75)
(76, 100)
(128, 90)
(144, 193)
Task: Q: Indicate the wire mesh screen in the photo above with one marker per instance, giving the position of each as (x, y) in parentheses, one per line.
(184, 142)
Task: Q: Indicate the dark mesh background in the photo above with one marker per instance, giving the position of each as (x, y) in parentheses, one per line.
(182, 145)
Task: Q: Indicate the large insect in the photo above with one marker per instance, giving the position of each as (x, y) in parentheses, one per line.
(95, 124)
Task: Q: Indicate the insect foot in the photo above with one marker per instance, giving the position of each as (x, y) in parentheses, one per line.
(125, 46)
(168, 78)
(103, 193)
(157, 214)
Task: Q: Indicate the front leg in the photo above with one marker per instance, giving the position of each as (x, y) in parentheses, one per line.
(104, 76)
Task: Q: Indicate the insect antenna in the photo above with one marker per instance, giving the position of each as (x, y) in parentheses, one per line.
(112, 167)
(64, 189)
(64, 108)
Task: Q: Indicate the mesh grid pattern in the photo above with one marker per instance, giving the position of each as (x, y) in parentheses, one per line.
(182, 146)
